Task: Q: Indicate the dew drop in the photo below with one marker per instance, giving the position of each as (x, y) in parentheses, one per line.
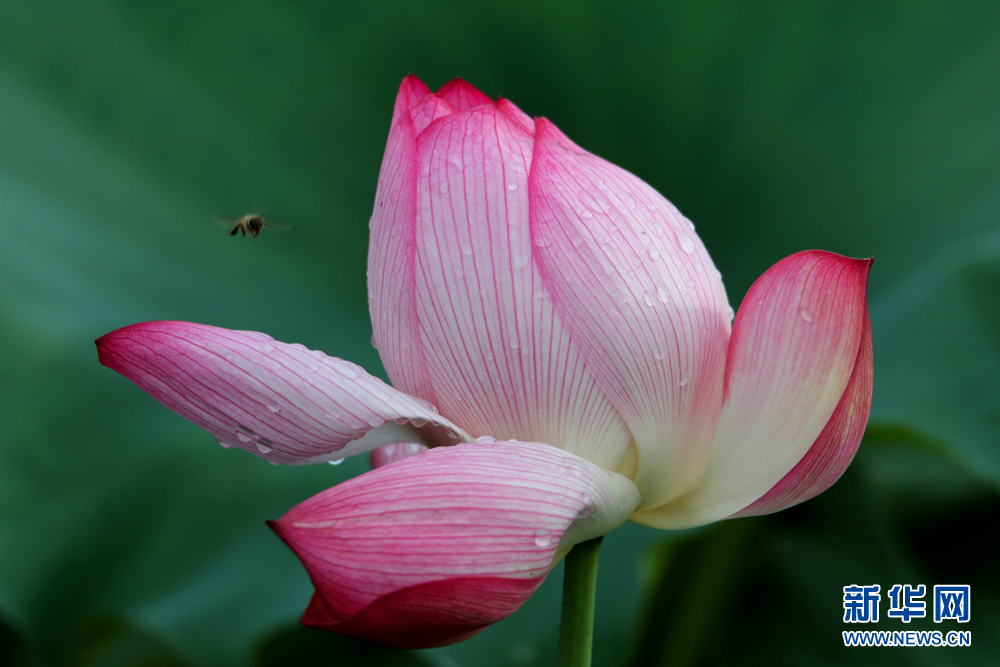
(273, 406)
(660, 354)
(374, 342)
(264, 449)
(243, 437)
(589, 506)
(732, 313)
(444, 187)
(226, 445)
(687, 245)
(467, 249)
(543, 538)
(514, 343)
(649, 302)
(684, 379)
(375, 421)
(402, 421)
(629, 201)
(806, 315)
(659, 230)
(485, 440)
(336, 462)
(512, 186)
(662, 294)
(418, 423)
(577, 241)
(586, 214)
(653, 252)
(699, 267)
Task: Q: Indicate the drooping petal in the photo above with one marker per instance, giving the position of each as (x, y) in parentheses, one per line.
(642, 301)
(797, 342)
(282, 402)
(432, 549)
(497, 356)
(835, 447)
(395, 451)
(391, 258)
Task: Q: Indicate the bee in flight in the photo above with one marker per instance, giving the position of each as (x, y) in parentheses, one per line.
(251, 224)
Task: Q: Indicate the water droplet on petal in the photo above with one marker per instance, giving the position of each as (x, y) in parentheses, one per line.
(336, 462)
(684, 379)
(586, 214)
(687, 244)
(806, 315)
(543, 538)
(374, 342)
(732, 313)
(699, 267)
(512, 186)
(514, 343)
(402, 421)
(375, 421)
(226, 445)
(264, 449)
(649, 302)
(660, 354)
(662, 294)
(467, 249)
(273, 406)
(418, 423)
(444, 187)
(577, 241)
(485, 440)
(653, 252)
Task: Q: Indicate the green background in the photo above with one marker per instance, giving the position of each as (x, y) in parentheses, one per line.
(128, 537)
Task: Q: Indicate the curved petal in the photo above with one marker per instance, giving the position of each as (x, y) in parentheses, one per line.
(432, 549)
(835, 447)
(391, 259)
(395, 451)
(282, 402)
(641, 299)
(795, 346)
(496, 354)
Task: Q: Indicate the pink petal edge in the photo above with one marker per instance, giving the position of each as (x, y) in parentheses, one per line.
(281, 402)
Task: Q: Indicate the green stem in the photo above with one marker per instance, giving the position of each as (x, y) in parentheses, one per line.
(576, 632)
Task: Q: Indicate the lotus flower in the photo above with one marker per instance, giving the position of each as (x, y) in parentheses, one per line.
(562, 360)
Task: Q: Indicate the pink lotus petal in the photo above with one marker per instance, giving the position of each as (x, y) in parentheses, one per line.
(440, 545)
(391, 258)
(428, 110)
(396, 451)
(793, 352)
(642, 301)
(282, 402)
(833, 451)
(463, 95)
(496, 354)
